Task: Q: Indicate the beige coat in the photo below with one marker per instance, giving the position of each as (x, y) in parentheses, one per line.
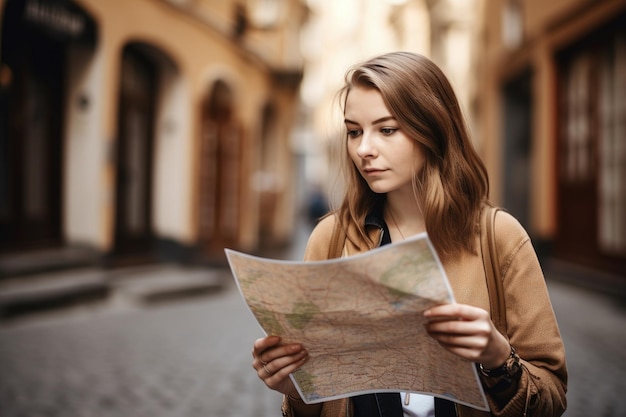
(532, 327)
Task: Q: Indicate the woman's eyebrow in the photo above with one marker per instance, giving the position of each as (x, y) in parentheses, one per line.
(375, 122)
(383, 119)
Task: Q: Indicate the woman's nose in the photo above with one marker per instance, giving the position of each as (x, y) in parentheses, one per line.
(366, 147)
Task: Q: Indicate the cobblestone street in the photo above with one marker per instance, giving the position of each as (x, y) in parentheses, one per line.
(592, 326)
(191, 357)
(187, 359)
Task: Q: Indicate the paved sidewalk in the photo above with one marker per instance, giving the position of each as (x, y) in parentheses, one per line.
(169, 358)
(592, 327)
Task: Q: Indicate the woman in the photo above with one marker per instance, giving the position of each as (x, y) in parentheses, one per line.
(411, 168)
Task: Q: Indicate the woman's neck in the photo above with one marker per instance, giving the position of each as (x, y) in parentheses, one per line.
(404, 218)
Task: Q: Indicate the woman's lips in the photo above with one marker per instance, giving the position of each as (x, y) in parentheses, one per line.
(373, 171)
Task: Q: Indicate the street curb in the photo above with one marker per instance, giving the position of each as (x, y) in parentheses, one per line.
(33, 294)
(46, 261)
(151, 284)
(164, 283)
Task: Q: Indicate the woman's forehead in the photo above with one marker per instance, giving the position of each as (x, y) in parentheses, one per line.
(365, 103)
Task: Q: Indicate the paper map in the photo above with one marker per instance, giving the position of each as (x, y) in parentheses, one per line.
(360, 319)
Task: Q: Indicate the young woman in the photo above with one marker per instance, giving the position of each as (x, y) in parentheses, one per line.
(411, 168)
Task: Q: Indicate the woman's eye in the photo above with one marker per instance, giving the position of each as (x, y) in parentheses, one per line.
(388, 130)
(353, 133)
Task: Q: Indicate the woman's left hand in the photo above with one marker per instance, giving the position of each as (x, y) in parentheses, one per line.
(468, 332)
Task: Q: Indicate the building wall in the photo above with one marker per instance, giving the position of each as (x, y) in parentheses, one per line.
(194, 44)
(532, 53)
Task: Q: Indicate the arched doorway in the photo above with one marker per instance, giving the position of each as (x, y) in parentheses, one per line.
(220, 172)
(35, 39)
(134, 153)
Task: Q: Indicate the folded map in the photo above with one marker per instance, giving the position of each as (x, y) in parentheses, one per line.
(360, 319)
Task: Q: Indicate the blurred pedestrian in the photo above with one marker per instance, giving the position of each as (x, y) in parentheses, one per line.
(317, 204)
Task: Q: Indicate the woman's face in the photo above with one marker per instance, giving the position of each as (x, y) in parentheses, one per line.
(384, 155)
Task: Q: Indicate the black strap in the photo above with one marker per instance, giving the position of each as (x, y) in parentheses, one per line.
(382, 404)
(444, 408)
(390, 405)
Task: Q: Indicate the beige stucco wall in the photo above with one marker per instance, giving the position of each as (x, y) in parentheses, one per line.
(85, 150)
(199, 58)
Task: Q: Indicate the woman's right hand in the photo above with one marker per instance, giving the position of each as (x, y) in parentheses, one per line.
(274, 362)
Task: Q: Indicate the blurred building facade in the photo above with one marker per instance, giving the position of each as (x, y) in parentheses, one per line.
(552, 122)
(135, 127)
(339, 34)
(191, 125)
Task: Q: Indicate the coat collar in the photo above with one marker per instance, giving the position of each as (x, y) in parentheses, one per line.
(376, 221)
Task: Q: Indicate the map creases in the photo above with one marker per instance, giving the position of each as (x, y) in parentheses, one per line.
(360, 319)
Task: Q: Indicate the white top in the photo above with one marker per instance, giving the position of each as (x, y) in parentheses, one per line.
(419, 405)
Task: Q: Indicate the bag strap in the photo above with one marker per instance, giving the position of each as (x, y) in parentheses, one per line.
(489, 250)
(337, 241)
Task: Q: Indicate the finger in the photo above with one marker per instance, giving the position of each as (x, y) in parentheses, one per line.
(275, 373)
(452, 311)
(275, 352)
(465, 342)
(459, 327)
(275, 365)
(264, 343)
(278, 378)
(469, 354)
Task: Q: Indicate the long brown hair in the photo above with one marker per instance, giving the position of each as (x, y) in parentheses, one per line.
(453, 184)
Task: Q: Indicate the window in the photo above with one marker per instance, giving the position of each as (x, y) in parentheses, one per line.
(512, 24)
(577, 147)
(612, 132)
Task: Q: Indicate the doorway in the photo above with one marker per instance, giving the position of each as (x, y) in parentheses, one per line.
(591, 163)
(32, 87)
(517, 146)
(134, 181)
(220, 172)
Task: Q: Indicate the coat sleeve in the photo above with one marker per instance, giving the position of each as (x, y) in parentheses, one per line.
(531, 328)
